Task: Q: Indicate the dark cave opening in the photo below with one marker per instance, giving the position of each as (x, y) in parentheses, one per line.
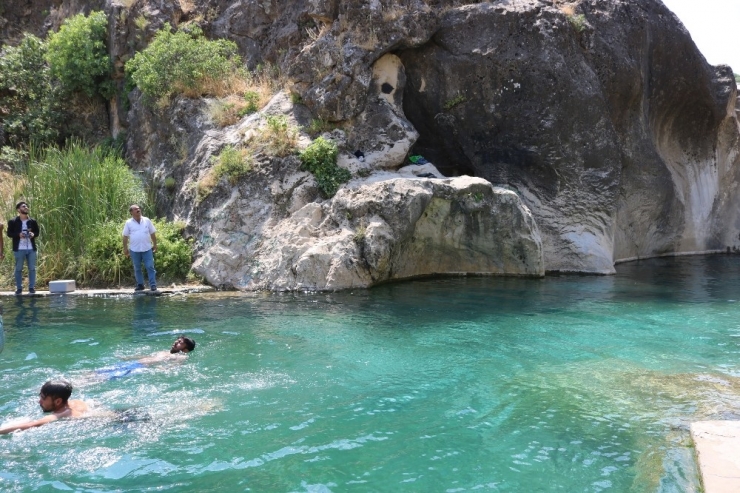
(437, 141)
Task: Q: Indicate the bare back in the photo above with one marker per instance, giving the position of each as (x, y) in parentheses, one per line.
(78, 408)
(75, 409)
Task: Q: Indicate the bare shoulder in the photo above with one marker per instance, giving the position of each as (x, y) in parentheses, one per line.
(78, 408)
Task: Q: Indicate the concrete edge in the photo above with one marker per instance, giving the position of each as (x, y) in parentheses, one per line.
(166, 291)
(717, 445)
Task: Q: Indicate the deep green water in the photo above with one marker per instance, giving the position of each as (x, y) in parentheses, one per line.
(560, 384)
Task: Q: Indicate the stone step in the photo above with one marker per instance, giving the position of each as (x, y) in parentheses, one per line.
(718, 452)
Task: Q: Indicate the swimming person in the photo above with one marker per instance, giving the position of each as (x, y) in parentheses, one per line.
(179, 349)
(177, 353)
(54, 399)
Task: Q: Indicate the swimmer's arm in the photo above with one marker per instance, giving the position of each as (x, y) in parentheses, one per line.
(148, 359)
(161, 357)
(28, 424)
(129, 358)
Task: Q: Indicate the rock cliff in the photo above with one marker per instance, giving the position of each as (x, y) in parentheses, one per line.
(610, 134)
(605, 118)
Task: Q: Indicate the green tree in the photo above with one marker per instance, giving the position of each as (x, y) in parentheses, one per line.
(30, 105)
(183, 62)
(78, 57)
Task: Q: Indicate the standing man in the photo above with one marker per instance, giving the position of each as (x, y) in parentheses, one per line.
(140, 243)
(2, 247)
(23, 231)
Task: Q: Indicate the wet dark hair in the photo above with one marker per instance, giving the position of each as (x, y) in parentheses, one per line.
(188, 342)
(57, 388)
(19, 204)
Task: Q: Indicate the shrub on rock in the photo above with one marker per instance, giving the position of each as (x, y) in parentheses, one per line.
(320, 158)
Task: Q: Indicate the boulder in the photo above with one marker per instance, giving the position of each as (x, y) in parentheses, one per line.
(388, 228)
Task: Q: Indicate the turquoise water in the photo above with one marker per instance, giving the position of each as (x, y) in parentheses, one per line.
(469, 384)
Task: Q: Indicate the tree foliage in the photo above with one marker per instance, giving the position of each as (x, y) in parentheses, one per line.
(36, 74)
(78, 57)
(30, 105)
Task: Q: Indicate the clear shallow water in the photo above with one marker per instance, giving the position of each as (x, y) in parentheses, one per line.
(561, 384)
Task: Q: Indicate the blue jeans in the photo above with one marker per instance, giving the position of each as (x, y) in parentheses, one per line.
(148, 259)
(25, 256)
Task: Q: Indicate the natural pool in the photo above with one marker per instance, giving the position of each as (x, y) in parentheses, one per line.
(523, 385)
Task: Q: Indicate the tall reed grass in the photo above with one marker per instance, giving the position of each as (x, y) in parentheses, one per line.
(75, 189)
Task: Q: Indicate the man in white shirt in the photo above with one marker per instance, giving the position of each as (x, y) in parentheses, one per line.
(140, 243)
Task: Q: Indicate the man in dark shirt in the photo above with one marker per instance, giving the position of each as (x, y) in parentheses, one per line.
(23, 231)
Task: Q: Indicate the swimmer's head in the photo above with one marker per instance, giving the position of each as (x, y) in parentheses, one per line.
(183, 345)
(54, 394)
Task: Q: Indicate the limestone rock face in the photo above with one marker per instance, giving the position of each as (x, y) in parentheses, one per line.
(606, 119)
(516, 104)
(380, 137)
(387, 228)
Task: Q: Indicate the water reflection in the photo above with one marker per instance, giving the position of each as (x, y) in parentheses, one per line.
(690, 279)
(144, 314)
(62, 302)
(27, 312)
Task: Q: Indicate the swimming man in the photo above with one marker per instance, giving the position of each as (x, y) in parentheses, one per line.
(54, 399)
(182, 346)
(177, 353)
